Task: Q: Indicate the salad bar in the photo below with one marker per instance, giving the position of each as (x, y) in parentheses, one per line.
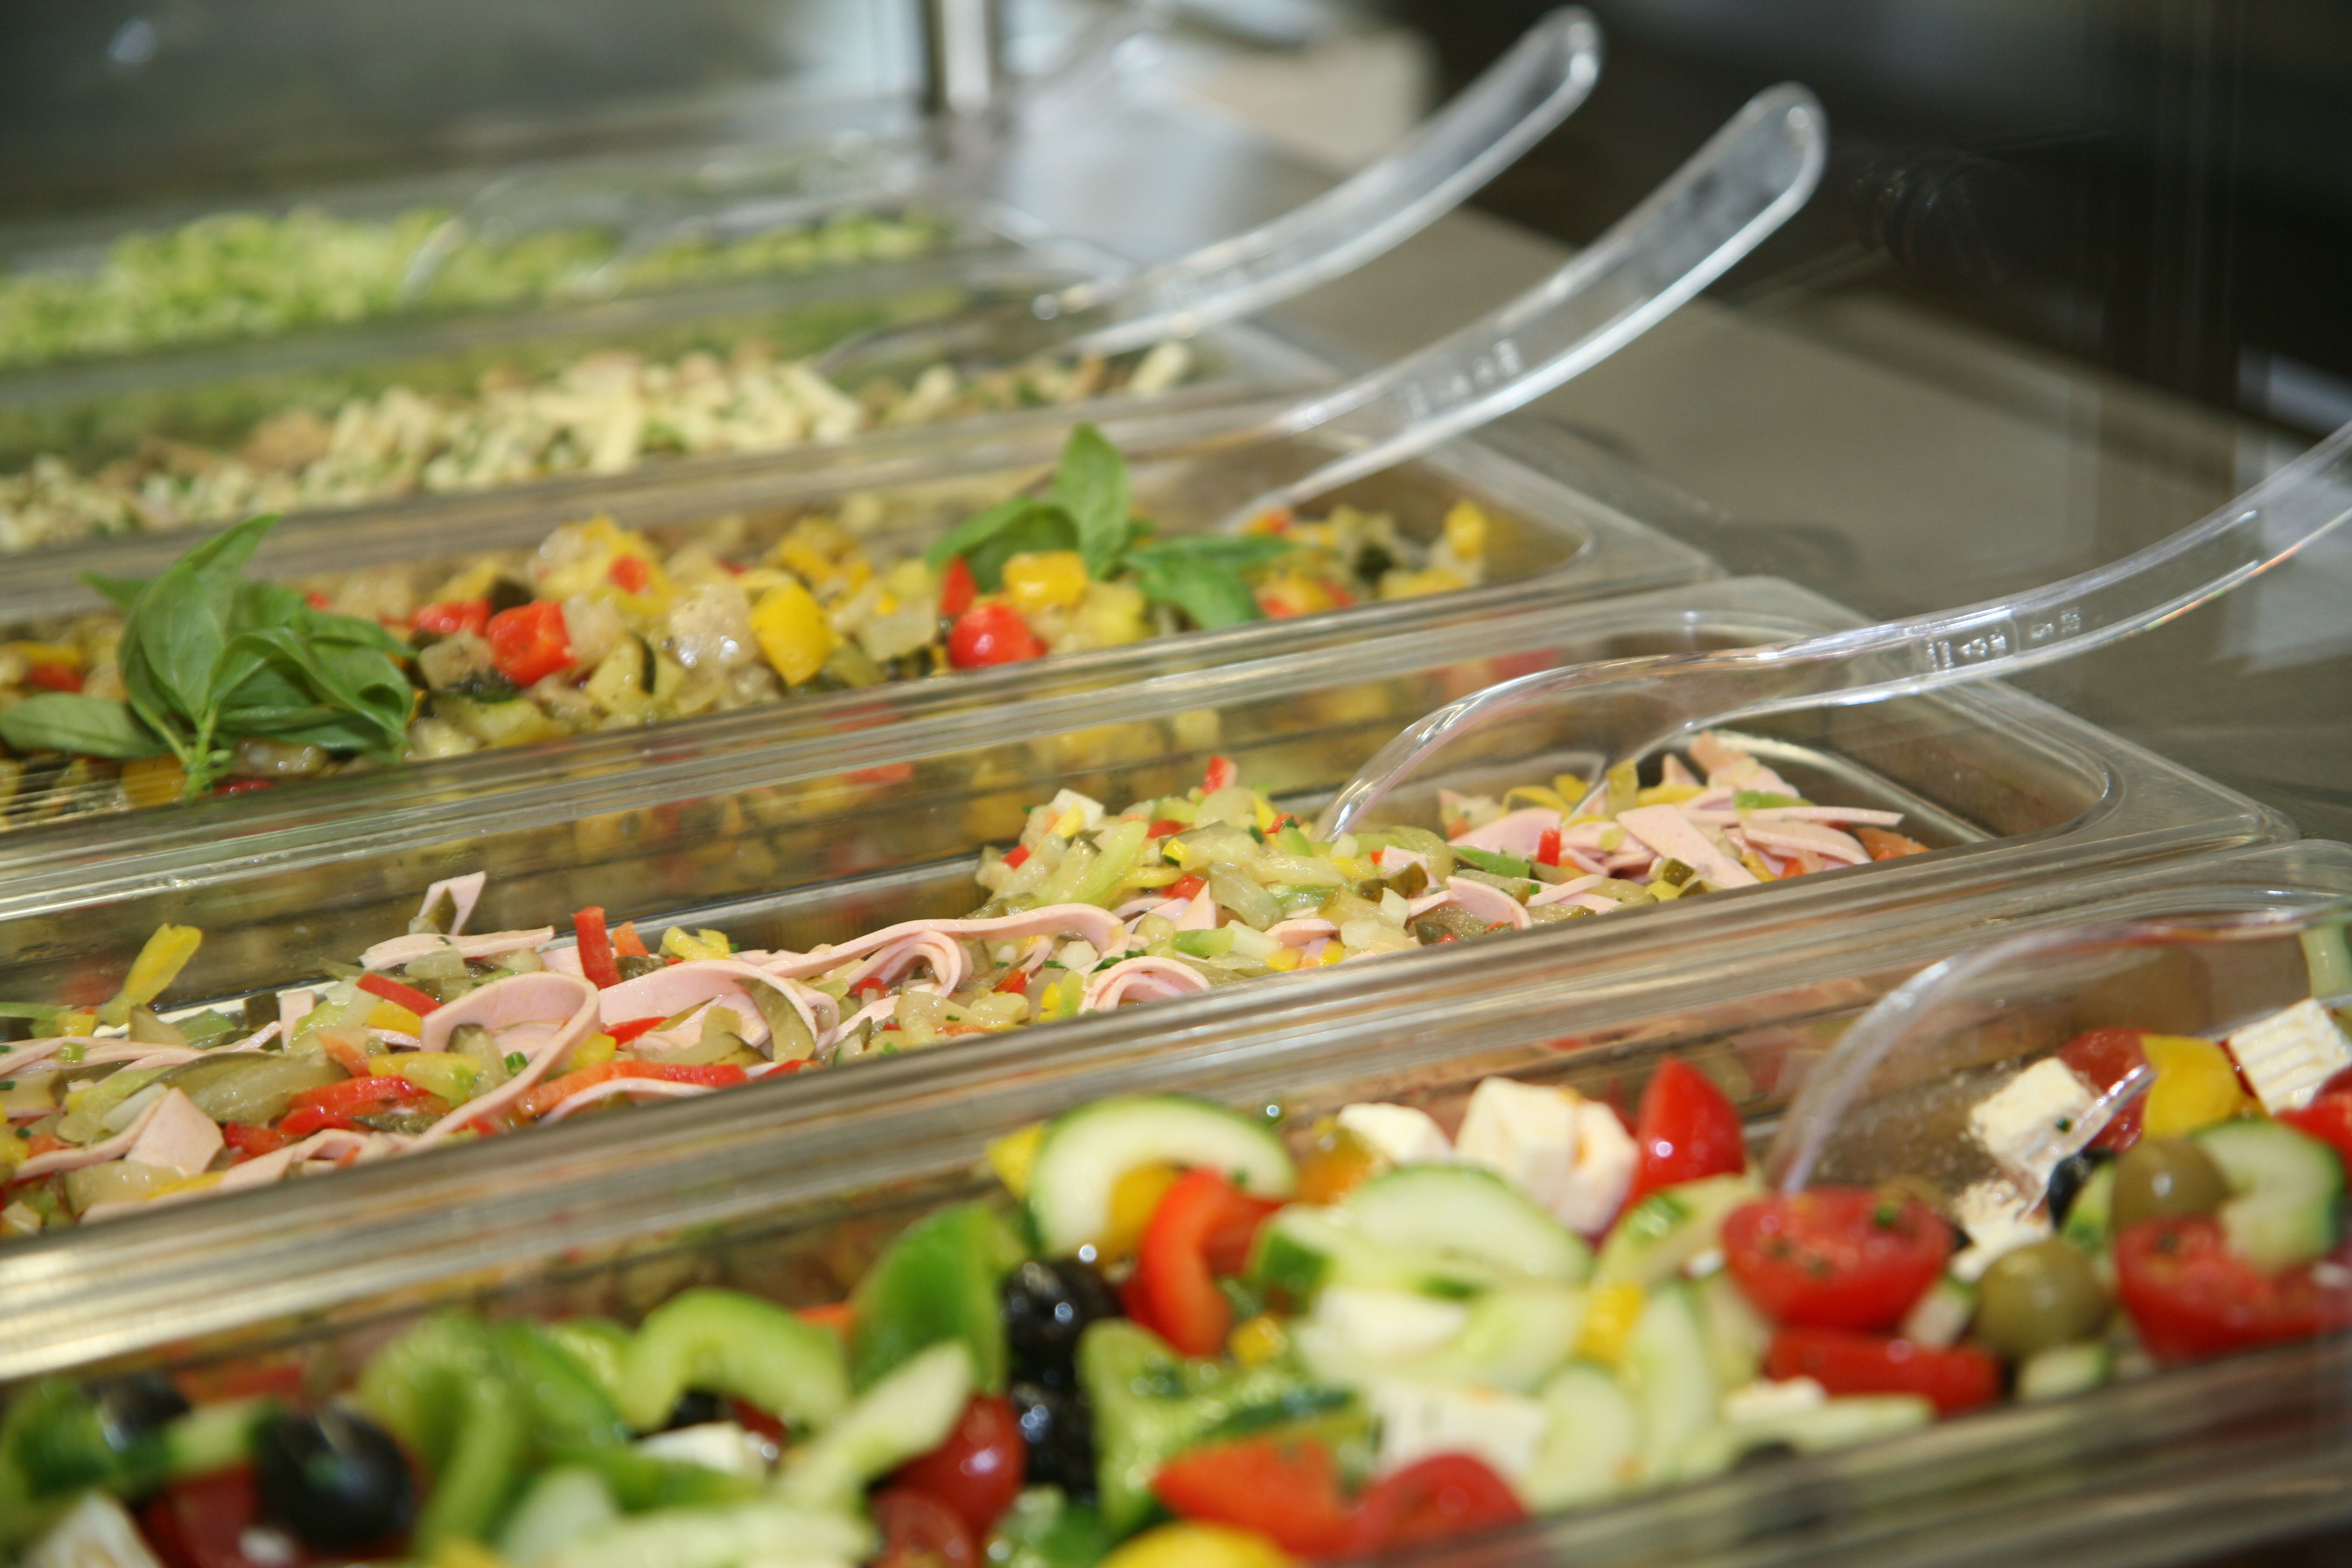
(706, 895)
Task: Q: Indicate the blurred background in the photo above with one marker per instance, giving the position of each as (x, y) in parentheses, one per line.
(2074, 276)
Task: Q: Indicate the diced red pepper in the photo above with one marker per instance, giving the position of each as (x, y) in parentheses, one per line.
(596, 961)
(1016, 855)
(316, 599)
(1187, 887)
(957, 589)
(451, 617)
(991, 633)
(1015, 983)
(529, 643)
(1223, 773)
(548, 1096)
(55, 676)
(399, 996)
(335, 1104)
(630, 574)
(626, 943)
(1167, 826)
(251, 1141)
(1202, 1222)
(1547, 847)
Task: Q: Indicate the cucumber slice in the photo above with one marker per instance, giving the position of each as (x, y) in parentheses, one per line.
(1667, 1374)
(2062, 1369)
(1737, 1333)
(1670, 1227)
(2089, 1222)
(1085, 1151)
(909, 1412)
(1303, 1250)
(1510, 1339)
(1593, 1442)
(2288, 1206)
(1834, 1424)
(557, 1509)
(1462, 1209)
(767, 1531)
(731, 1343)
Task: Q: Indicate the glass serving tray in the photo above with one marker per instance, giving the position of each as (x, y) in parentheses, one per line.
(792, 1194)
(1546, 543)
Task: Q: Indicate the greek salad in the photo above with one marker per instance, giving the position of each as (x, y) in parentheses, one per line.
(253, 275)
(1184, 1335)
(601, 628)
(441, 1033)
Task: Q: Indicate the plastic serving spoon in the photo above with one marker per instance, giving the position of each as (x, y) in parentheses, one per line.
(1481, 133)
(1676, 694)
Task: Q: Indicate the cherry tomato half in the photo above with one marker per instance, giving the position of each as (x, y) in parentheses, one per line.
(979, 1469)
(2190, 1296)
(2105, 1057)
(1443, 1496)
(1960, 1378)
(989, 634)
(2327, 1119)
(1287, 1492)
(918, 1531)
(1837, 1257)
(1686, 1129)
(201, 1522)
(1202, 1226)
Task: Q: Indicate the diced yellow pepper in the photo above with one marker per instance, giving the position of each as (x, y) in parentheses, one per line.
(1185, 1545)
(1112, 615)
(1266, 815)
(1610, 1314)
(1465, 530)
(47, 653)
(2195, 1086)
(445, 1073)
(74, 1024)
(1282, 960)
(792, 632)
(393, 1017)
(1014, 1155)
(1333, 951)
(154, 781)
(1038, 580)
(1257, 1342)
(1421, 584)
(14, 1150)
(677, 944)
(594, 1051)
(158, 965)
(1067, 824)
(1132, 1198)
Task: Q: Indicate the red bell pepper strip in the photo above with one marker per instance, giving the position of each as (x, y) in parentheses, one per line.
(1166, 827)
(1547, 847)
(989, 634)
(529, 643)
(55, 676)
(1015, 983)
(1202, 1223)
(1960, 1378)
(626, 943)
(596, 961)
(335, 1104)
(1223, 773)
(1187, 887)
(548, 1096)
(1286, 1491)
(624, 1033)
(250, 1140)
(1443, 1496)
(452, 616)
(957, 589)
(399, 996)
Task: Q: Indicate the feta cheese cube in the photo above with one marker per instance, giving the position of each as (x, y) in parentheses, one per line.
(1764, 1400)
(1998, 1219)
(1569, 1154)
(2287, 1056)
(1083, 813)
(1398, 1133)
(95, 1533)
(722, 1446)
(2036, 1119)
(1419, 1420)
(1388, 1325)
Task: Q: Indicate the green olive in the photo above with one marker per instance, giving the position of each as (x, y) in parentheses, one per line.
(2039, 1296)
(2164, 1177)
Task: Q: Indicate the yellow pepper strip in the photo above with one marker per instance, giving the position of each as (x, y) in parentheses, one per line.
(1610, 1315)
(2195, 1086)
(393, 1017)
(1038, 579)
(1667, 794)
(1257, 1342)
(47, 653)
(445, 1073)
(1132, 1198)
(1537, 794)
(792, 632)
(1465, 530)
(1185, 1545)
(158, 965)
(677, 944)
(1282, 960)
(1014, 1155)
(594, 1051)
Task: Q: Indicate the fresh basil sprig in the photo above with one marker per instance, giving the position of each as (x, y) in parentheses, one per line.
(209, 659)
(1090, 509)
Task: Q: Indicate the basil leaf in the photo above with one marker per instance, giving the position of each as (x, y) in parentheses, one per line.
(121, 592)
(182, 616)
(326, 629)
(1090, 484)
(1211, 593)
(1005, 530)
(1220, 549)
(87, 726)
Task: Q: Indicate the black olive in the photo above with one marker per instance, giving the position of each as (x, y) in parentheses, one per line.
(1372, 564)
(695, 1407)
(2072, 1175)
(332, 1478)
(1059, 1433)
(14, 1029)
(1047, 1305)
(136, 1406)
(505, 594)
(1770, 1453)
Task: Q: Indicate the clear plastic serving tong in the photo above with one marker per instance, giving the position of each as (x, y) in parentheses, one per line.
(1677, 694)
(1519, 101)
